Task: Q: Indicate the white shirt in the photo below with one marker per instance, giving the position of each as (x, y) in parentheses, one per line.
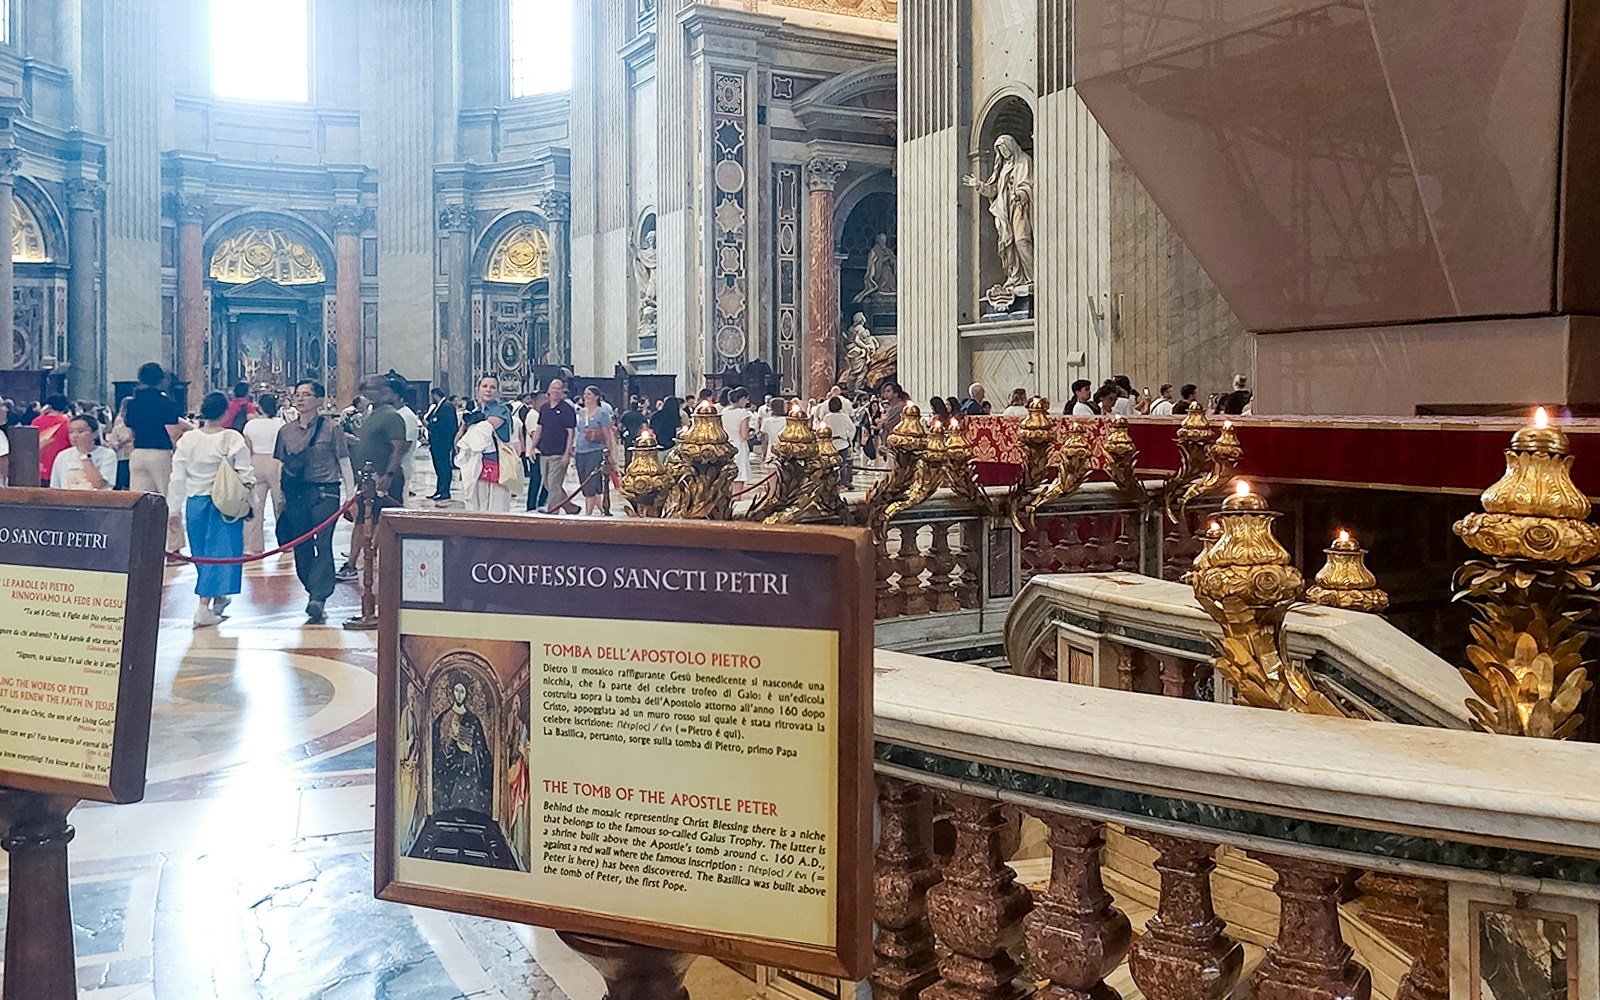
(262, 433)
(841, 427)
(413, 425)
(1123, 407)
(196, 458)
(1014, 411)
(1163, 408)
(1084, 410)
(67, 472)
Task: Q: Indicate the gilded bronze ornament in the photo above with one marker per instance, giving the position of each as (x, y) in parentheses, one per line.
(1122, 458)
(1194, 438)
(960, 473)
(905, 445)
(1527, 650)
(1344, 580)
(1072, 470)
(1246, 582)
(644, 482)
(795, 450)
(1035, 437)
(702, 488)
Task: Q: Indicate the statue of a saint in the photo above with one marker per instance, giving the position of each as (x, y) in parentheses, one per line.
(462, 767)
(644, 269)
(858, 352)
(1010, 193)
(883, 272)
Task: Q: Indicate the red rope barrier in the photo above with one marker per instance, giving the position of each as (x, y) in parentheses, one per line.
(756, 486)
(242, 560)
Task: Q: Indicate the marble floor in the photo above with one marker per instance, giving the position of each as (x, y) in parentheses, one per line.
(246, 873)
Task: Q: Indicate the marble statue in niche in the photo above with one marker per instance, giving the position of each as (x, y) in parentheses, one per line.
(645, 261)
(1009, 189)
(867, 362)
(883, 268)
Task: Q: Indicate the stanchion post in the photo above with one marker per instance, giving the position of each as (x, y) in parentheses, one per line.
(633, 971)
(39, 959)
(364, 548)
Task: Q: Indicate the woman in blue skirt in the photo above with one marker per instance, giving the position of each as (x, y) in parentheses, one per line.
(195, 460)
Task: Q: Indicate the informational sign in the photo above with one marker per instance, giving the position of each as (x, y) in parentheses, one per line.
(80, 604)
(653, 731)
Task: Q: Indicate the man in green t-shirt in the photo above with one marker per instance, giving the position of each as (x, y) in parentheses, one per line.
(381, 439)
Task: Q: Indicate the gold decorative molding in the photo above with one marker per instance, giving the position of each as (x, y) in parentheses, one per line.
(264, 252)
(872, 10)
(27, 238)
(520, 256)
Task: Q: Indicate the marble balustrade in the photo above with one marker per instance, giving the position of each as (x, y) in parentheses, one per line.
(1455, 824)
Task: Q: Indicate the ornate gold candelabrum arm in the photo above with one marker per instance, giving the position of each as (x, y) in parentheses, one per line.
(905, 445)
(823, 492)
(1036, 436)
(704, 492)
(645, 481)
(960, 474)
(1344, 580)
(930, 472)
(1072, 470)
(1246, 582)
(1223, 456)
(1527, 653)
(1122, 457)
(794, 450)
(1194, 435)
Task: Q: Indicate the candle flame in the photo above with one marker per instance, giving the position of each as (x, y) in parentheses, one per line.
(936, 424)
(1227, 425)
(795, 409)
(955, 424)
(1344, 536)
(1214, 527)
(646, 436)
(1541, 419)
(1242, 489)
(705, 406)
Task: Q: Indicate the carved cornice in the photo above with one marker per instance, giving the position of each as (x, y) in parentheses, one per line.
(350, 219)
(455, 219)
(556, 206)
(823, 172)
(85, 192)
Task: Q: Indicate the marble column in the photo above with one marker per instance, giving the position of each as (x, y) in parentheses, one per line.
(557, 208)
(822, 278)
(457, 221)
(193, 322)
(10, 159)
(346, 301)
(88, 377)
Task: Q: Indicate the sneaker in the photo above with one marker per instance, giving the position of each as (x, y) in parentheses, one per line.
(220, 604)
(347, 573)
(204, 617)
(315, 614)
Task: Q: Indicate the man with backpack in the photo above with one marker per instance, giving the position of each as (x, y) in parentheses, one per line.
(316, 464)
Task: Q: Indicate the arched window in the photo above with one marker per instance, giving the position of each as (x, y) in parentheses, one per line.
(541, 46)
(260, 51)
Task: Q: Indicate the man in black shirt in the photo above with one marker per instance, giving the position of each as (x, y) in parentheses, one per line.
(156, 423)
(442, 422)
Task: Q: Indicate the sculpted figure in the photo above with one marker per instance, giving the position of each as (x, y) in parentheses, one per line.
(1010, 193)
(858, 352)
(882, 271)
(644, 269)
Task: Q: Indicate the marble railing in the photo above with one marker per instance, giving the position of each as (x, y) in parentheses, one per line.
(1136, 633)
(946, 570)
(1490, 844)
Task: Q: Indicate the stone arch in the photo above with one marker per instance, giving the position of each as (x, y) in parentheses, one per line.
(38, 233)
(510, 312)
(873, 87)
(1009, 110)
(292, 229)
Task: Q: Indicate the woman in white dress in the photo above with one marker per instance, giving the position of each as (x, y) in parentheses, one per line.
(736, 421)
(195, 461)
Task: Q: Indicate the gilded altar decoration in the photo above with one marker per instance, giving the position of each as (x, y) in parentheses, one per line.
(702, 469)
(1246, 582)
(1122, 459)
(520, 256)
(807, 477)
(905, 444)
(1072, 470)
(1527, 651)
(264, 252)
(1345, 581)
(959, 472)
(644, 482)
(27, 238)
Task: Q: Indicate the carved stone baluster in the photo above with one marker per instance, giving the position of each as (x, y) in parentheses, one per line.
(941, 570)
(1075, 935)
(1073, 551)
(1122, 549)
(1184, 953)
(1429, 978)
(889, 604)
(1179, 677)
(1309, 960)
(971, 561)
(911, 564)
(906, 962)
(976, 912)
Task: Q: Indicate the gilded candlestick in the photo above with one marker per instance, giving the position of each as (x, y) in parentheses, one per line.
(645, 482)
(1541, 554)
(1344, 580)
(905, 444)
(704, 489)
(1194, 436)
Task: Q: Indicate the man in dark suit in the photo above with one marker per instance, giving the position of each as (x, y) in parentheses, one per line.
(442, 423)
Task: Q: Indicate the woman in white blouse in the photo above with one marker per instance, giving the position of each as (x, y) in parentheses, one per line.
(195, 461)
(88, 464)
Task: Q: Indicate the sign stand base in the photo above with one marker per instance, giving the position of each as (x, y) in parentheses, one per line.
(40, 964)
(632, 971)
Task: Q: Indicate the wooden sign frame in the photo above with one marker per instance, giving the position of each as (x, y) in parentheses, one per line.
(146, 527)
(849, 558)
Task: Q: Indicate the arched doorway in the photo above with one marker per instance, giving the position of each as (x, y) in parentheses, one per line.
(39, 308)
(270, 280)
(511, 298)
